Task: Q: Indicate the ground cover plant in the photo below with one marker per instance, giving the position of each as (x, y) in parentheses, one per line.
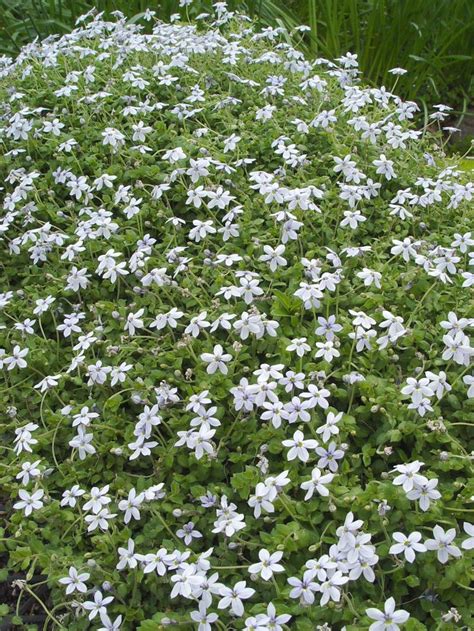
(236, 300)
(433, 40)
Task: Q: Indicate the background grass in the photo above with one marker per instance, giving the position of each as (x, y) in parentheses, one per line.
(432, 39)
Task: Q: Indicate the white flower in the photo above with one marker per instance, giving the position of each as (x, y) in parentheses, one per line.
(268, 564)
(454, 324)
(97, 373)
(347, 532)
(174, 155)
(299, 345)
(275, 622)
(28, 469)
(139, 131)
(104, 180)
(51, 381)
(330, 428)
(317, 483)
(43, 305)
(195, 196)
(231, 142)
(98, 605)
(232, 597)
(16, 360)
(29, 501)
(324, 119)
(275, 412)
(370, 277)
(384, 167)
(304, 589)
(216, 360)
(99, 520)
(98, 499)
(77, 279)
(438, 383)
(118, 374)
(54, 127)
(328, 327)
(316, 396)
(352, 218)
(203, 618)
(462, 241)
(171, 319)
(398, 71)
(198, 401)
(327, 350)
(408, 475)
(344, 165)
(468, 544)
(389, 618)
(408, 545)
(110, 625)
(223, 321)
(249, 289)
(273, 256)
(330, 588)
(82, 442)
(127, 555)
(219, 198)
(406, 248)
(188, 533)
(443, 544)
(261, 500)
(424, 490)
(70, 496)
(157, 561)
(201, 230)
(329, 456)
(417, 389)
(469, 381)
(299, 446)
(457, 348)
(134, 322)
(197, 323)
(75, 581)
(131, 505)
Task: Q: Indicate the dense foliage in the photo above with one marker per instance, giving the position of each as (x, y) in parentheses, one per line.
(235, 344)
(433, 40)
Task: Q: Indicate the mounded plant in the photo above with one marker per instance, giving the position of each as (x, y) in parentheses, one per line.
(235, 311)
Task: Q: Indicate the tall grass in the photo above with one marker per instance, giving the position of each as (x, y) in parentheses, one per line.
(23, 20)
(432, 39)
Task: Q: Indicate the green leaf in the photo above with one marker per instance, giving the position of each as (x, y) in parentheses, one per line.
(285, 305)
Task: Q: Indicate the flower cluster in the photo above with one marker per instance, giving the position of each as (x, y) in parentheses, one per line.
(235, 336)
